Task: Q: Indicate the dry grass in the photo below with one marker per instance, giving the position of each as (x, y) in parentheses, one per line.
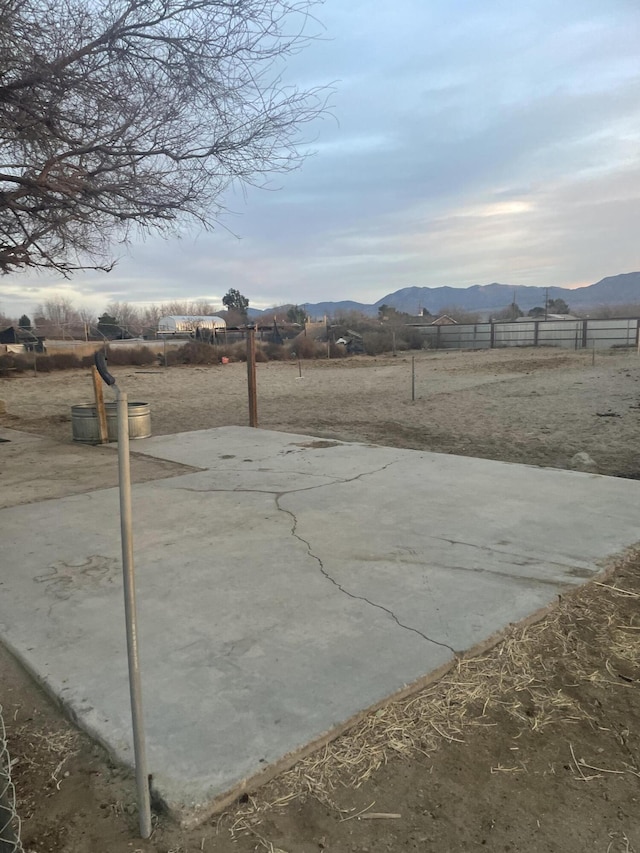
(518, 676)
(57, 746)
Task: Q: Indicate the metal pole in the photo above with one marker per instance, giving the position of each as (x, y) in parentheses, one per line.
(413, 378)
(135, 687)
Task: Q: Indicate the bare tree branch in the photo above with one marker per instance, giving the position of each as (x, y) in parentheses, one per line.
(139, 113)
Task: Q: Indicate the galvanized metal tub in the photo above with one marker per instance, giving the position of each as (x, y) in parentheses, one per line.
(84, 422)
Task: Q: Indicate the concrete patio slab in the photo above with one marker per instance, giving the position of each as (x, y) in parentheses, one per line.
(284, 587)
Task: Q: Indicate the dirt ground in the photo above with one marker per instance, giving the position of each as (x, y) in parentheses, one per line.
(532, 747)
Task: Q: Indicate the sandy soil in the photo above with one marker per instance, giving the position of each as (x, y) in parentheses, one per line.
(546, 760)
(540, 407)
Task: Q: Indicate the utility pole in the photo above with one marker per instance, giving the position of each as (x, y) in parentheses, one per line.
(546, 304)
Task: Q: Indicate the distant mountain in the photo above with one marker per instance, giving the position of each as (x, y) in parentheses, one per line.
(479, 297)
(613, 290)
(332, 308)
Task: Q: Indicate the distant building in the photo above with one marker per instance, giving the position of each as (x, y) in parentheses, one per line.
(18, 339)
(527, 319)
(444, 320)
(176, 324)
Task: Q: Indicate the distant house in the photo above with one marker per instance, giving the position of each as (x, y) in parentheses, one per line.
(353, 342)
(18, 339)
(444, 320)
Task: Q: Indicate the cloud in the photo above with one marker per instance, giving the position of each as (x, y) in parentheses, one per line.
(469, 143)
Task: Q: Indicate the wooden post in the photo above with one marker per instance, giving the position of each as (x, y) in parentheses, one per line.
(100, 409)
(251, 378)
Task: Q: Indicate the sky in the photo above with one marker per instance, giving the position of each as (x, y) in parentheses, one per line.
(468, 142)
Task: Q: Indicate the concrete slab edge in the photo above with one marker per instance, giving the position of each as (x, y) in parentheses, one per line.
(189, 820)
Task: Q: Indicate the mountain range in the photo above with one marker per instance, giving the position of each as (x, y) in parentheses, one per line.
(621, 289)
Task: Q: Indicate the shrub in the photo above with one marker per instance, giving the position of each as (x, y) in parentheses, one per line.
(10, 364)
(62, 361)
(338, 351)
(305, 347)
(196, 353)
(261, 355)
(377, 342)
(138, 356)
(43, 364)
(414, 338)
(234, 352)
(276, 352)
(172, 356)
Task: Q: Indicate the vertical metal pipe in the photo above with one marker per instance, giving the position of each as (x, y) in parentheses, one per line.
(135, 688)
(413, 378)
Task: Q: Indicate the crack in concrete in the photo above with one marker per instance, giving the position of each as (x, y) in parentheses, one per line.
(342, 589)
(336, 481)
(331, 482)
(490, 549)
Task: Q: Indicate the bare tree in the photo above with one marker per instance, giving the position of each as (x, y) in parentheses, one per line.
(203, 308)
(117, 113)
(87, 316)
(150, 317)
(186, 308)
(127, 315)
(59, 315)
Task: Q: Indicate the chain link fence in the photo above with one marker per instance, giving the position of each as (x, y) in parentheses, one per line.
(9, 820)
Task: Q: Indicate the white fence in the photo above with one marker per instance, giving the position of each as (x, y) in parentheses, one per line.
(568, 334)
